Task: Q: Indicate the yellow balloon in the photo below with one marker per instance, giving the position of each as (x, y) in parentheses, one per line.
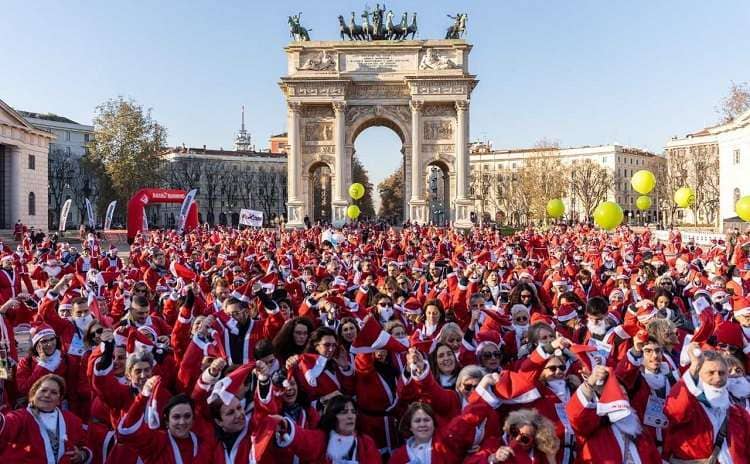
(356, 190)
(352, 212)
(643, 181)
(555, 208)
(643, 203)
(742, 208)
(684, 197)
(608, 215)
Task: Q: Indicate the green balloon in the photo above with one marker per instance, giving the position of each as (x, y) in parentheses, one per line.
(555, 208)
(608, 215)
(643, 203)
(643, 181)
(742, 208)
(352, 212)
(356, 190)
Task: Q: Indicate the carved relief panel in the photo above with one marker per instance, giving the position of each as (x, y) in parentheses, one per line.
(440, 129)
(318, 131)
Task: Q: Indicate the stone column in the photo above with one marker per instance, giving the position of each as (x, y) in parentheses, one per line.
(339, 203)
(417, 203)
(295, 207)
(463, 203)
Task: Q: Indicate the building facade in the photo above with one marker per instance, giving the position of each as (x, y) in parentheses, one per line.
(64, 175)
(505, 169)
(715, 163)
(227, 181)
(23, 170)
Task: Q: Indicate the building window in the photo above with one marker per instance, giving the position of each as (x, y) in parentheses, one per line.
(67, 136)
(736, 156)
(737, 195)
(32, 204)
(67, 151)
(86, 138)
(32, 162)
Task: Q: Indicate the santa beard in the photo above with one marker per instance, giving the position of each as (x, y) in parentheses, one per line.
(629, 424)
(718, 397)
(597, 328)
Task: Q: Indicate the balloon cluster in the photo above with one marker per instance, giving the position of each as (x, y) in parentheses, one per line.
(643, 182)
(356, 191)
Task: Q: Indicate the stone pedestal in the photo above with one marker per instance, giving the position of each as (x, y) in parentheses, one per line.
(338, 218)
(418, 211)
(463, 213)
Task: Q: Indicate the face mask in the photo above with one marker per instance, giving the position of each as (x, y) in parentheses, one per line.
(403, 340)
(521, 329)
(83, 322)
(597, 327)
(558, 386)
(385, 312)
(739, 387)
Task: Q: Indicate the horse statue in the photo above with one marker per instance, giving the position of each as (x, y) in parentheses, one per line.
(367, 30)
(458, 28)
(298, 33)
(356, 30)
(344, 29)
(412, 29)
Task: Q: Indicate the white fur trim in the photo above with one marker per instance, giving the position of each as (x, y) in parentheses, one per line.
(620, 332)
(690, 383)
(184, 320)
(585, 401)
(528, 397)
(542, 354)
(488, 396)
(742, 311)
(633, 360)
(131, 429)
(312, 374)
(425, 373)
(282, 441)
(102, 373)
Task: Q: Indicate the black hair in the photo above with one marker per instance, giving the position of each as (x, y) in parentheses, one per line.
(283, 342)
(317, 336)
(597, 306)
(333, 407)
(263, 348)
(181, 398)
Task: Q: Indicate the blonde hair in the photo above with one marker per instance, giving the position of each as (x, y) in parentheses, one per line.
(545, 439)
(659, 329)
(448, 329)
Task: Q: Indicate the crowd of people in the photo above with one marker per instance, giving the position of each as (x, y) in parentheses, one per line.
(367, 345)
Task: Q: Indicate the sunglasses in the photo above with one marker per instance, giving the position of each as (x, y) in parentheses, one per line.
(558, 367)
(521, 319)
(491, 354)
(525, 295)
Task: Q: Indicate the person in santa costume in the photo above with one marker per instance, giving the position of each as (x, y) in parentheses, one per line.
(425, 443)
(703, 422)
(44, 358)
(42, 432)
(335, 441)
(606, 426)
(111, 262)
(737, 382)
(528, 438)
(10, 281)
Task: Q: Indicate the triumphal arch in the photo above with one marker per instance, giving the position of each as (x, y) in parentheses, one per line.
(420, 89)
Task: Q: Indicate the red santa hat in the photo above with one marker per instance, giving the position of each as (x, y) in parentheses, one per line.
(485, 338)
(584, 355)
(539, 317)
(729, 333)
(706, 329)
(741, 306)
(229, 386)
(6, 257)
(645, 311)
(265, 436)
(311, 366)
(412, 306)
(517, 308)
(138, 341)
(66, 302)
(41, 331)
(559, 280)
(183, 272)
(372, 337)
(516, 388)
(567, 311)
(613, 402)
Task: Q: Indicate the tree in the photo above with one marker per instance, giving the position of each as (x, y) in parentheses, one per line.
(359, 174)
(735, 103)
(542, 178)
(589, 183)
(129, 145)
(62, 170)
(392, 195)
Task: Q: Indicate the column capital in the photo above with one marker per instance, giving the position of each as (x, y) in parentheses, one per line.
(462, 105)
(339, 106)
(294, 107)
(416, 105)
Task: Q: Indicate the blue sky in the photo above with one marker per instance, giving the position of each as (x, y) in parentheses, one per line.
(581, 72)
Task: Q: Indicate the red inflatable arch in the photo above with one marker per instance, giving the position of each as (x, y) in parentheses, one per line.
(143, 197)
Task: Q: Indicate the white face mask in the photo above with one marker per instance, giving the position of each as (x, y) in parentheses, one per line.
(558, 387)
(597, 327)
(385, 312)
(83, 322)
(739, 387)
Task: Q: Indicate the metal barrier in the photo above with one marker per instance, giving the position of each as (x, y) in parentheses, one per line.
(700, 238)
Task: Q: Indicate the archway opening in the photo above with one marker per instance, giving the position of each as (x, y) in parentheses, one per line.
(438, 193)
(320, 189)
(379, 152)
